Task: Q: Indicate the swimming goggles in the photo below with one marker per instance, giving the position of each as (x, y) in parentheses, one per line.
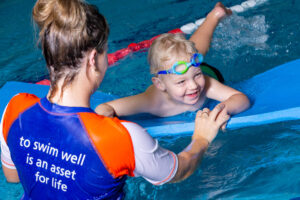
(181, 67)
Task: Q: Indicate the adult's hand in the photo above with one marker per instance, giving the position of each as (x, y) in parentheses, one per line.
(207, 125)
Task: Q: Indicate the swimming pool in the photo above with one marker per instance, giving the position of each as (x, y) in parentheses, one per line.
(251, 163)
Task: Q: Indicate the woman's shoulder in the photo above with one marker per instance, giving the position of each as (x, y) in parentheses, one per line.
(21, 102)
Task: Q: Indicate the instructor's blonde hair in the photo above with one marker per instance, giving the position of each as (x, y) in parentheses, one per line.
(68, 29)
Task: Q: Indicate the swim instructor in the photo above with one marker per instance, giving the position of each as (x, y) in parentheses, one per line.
(58, 147)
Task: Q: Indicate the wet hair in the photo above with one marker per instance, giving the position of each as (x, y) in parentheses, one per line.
(169, 47)
(68, 29)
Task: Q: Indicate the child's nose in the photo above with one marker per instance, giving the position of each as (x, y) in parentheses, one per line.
(192, 85)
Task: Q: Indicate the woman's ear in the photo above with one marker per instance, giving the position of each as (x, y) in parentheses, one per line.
(158, 83)
(91, 64)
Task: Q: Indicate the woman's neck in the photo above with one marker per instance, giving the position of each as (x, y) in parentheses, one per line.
(74, 95)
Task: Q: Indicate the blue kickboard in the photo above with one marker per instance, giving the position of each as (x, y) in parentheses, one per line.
(274, 94)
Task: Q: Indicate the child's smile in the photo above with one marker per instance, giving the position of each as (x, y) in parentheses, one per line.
(193, 95)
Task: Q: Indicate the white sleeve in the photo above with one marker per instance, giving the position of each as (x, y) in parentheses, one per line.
(154, 163)
(5, 153)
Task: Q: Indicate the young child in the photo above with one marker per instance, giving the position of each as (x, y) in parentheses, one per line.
(178, 83)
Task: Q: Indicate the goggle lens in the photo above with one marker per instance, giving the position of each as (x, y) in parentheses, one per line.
(197, 59)
(180, 67)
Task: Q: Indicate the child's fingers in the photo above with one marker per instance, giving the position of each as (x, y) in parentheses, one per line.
(222, 118)
(229, 11)
(223, 127)
(215, 112)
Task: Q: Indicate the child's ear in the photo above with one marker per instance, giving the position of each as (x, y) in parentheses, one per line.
(158, 83)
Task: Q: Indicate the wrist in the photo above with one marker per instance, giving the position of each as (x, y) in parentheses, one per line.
(218, 13)
(214, 17)
(201, 140)
(198, 146)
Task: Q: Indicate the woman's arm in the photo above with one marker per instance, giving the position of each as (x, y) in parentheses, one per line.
(8, 166)
(11, 175)
(207, 125)
(159, 165)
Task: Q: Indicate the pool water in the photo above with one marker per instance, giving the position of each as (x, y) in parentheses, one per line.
(250, 163)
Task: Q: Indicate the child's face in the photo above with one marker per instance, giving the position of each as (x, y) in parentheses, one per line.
(185, 88)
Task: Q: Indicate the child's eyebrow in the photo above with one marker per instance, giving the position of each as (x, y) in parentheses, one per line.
(197, 71)
(178, 78)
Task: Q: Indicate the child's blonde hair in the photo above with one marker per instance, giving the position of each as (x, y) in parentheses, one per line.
(168, 47)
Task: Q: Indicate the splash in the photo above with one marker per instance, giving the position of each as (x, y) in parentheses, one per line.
(237, 31)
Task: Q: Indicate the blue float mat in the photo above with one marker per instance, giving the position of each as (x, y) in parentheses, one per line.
(275, 97)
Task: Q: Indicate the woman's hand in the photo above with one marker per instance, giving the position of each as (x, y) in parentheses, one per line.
(105, 110)
(208, 123)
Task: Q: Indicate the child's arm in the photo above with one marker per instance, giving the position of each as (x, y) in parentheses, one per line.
(203, 35)
(106, 110)
(125, 106)
(234, 100)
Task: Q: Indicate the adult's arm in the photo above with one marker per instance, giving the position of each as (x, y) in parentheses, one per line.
(159, 165)
(8, 166)
(11, 175)
(207, 125)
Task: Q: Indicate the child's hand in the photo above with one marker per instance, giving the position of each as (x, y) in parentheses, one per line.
(220, 11)
(208, 123)
(223, 127)
(105, 110)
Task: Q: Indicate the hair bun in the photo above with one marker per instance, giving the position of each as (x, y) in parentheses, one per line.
(66, 14)
(43, 12)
